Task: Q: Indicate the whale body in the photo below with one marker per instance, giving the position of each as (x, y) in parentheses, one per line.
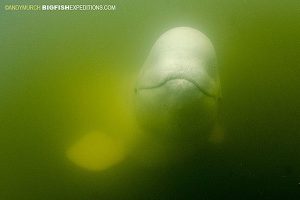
(178, 88)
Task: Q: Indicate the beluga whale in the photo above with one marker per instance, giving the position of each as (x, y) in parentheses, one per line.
(177, 92)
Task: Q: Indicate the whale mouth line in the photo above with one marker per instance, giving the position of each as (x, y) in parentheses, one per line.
(176, 78)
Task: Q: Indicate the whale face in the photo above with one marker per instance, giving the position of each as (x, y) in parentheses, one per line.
(178, 88)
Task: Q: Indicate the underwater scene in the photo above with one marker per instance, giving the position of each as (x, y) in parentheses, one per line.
(195, 99)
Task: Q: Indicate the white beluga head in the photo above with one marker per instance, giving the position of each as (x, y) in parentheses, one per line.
(178, 88)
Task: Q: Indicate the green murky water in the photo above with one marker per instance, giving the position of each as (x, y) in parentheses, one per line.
(65, 75)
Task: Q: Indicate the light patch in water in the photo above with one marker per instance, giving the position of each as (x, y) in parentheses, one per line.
(96, 151)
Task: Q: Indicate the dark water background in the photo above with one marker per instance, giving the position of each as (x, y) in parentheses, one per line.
(57, 70)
